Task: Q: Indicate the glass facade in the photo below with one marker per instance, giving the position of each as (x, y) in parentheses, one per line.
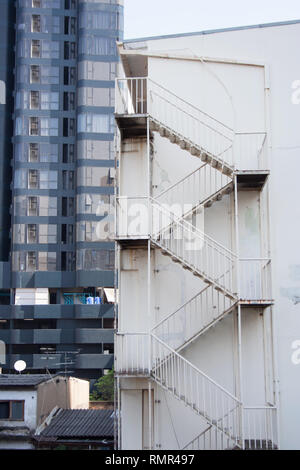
(63, 132)
(58, 65)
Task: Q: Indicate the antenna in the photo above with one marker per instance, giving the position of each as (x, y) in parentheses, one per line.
(19, 366)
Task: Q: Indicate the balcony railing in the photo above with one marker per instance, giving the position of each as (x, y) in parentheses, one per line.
(132, 354)
(255, 279)
(260, 427)
(141, 96)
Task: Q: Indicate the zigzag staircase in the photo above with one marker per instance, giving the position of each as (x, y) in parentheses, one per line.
(178, 238)
(175, 235)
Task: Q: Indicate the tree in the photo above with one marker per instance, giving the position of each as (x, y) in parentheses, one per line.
(104, 388)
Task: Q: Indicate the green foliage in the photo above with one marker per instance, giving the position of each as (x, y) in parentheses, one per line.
(104, 388)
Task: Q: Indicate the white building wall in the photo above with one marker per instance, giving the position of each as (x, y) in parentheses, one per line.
(248, 98)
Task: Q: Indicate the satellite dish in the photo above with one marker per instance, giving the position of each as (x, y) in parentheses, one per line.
(20, 366)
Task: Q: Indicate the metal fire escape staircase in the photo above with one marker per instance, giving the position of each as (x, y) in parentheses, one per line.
(176, 236)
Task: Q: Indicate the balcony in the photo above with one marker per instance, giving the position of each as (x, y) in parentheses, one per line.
(93, 336)
(42, 336)
(56, 311)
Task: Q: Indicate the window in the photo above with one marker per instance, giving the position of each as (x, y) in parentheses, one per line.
(73, 25)
(68, 153)
(48, 179)
(67, 207)
(33, 152)
(35, 48)
(94, 123)
(49, 126)
(70, 25)
(47, 233)
(48, 206)
(48, 153)
(92, 45)
(20, 203)
(50, 75)
(33, 126)
(69, 75)
(69, 127)
(50, 49)
(95, 260)
(20, 178)
(51, 3)
(94, 176)
(67, 261)
(19, 233)
(69, 50)
(97, 204)
(95, 149)
(34, 100)
(68, 179)
(31, 261)
(99, 20)
(31, 233)
(12, 410)
(32, 206)
(36, 24)
(108, 323)
(47, 261)
(70, 4)
(33, 179)
(49, 100)
(36, 3)
(35, 74)
(50, 24)
(69, 101)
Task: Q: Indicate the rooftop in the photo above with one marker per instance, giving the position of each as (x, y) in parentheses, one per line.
(80, 424)
(213, 31)
(22, 380)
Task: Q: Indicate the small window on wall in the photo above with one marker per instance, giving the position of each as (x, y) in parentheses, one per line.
(12, 410)
(35, 74)
(36, 24)
(70, 4)
(36, 3)
(31, 261)
(35, 48)
(34, 100)
(33, 152)
(32, 206)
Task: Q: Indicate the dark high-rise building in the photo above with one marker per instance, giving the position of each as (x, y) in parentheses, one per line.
(57, 69)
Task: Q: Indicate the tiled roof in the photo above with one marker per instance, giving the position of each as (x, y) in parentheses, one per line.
(80, 424)
(22, 380)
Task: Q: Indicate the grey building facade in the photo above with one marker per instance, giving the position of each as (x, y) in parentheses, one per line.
(59, 64)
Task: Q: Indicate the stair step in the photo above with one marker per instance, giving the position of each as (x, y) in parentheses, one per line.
(165, 253)
(195, 152)
(187, 268)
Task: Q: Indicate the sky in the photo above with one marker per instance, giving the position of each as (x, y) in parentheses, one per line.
(145, 18)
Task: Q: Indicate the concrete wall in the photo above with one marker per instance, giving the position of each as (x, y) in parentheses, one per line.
(66, 393)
